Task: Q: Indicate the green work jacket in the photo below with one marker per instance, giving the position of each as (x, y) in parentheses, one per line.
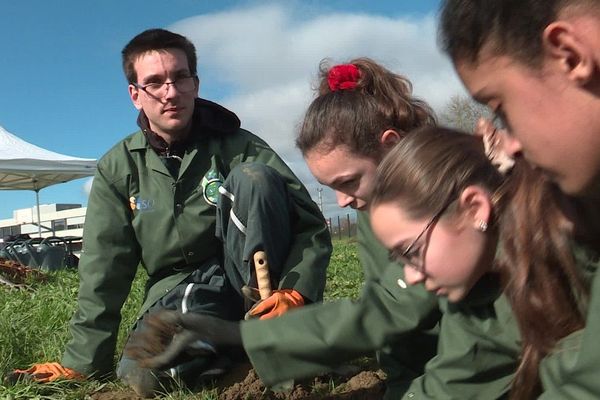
(478, 344)
(478, 350)
(139, 214)
(572, 370)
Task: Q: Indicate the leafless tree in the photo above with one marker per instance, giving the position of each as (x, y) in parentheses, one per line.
(462, 113)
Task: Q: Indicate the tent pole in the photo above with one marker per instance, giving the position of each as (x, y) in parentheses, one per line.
(37, 202)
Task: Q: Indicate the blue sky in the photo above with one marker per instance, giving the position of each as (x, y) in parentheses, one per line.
(63, 88)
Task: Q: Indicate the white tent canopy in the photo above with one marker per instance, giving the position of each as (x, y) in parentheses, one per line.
(24, 166)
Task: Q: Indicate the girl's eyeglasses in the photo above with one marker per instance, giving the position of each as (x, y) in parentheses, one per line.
(415, 259)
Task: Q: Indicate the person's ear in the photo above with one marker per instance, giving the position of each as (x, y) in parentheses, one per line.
(197, 80)
(564, 44)
(389, 138)
(134, 95)
(475, 207)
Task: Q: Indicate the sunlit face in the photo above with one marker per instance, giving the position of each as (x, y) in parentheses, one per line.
(169, 116)
(451, 254)
(553, 122)
(350, 175)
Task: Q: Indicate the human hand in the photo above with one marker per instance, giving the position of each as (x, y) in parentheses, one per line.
(277, 304)
(168, 337)
(43, 373)
(494, 141)
(484, 127)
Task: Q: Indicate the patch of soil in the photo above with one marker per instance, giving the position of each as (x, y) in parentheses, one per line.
(115, 395)
(18, 276)
(242, 383)
(351, 384)
(367, 385)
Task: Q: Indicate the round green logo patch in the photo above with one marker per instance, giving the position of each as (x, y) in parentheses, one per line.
(210, 186)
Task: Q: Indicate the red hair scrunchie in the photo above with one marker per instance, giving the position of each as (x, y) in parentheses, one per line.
(343, 77)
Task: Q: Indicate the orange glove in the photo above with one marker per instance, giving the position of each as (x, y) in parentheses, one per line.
(277, 304)
(43, 373)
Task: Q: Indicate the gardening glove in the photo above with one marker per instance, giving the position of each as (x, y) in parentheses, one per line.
(277, 304)
(43, 373)
(168, 337)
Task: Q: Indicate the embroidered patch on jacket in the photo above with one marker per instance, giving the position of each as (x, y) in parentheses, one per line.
(139, 204)
(210, 186)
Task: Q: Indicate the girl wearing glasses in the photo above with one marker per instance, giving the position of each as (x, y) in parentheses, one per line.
(536, 63)
(447, 213)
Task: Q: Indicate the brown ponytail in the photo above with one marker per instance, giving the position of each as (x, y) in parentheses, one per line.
(356, 114)
(543, 283)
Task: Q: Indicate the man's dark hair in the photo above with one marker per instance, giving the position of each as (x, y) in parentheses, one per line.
(156, 39)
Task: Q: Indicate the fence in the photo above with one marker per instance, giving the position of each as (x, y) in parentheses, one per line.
(341, 226)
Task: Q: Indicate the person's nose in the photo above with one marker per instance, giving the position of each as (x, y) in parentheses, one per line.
(171, 90)
(343, 199)
(412, 276)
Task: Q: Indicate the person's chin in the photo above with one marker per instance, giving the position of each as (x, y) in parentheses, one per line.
(454, 296)
(438, 291)
(360, 205)
(566, 185)
(177, 124)
(589, 188)
(177, 118)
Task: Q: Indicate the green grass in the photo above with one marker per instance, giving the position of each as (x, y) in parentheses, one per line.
(344, 275)
(34, 326)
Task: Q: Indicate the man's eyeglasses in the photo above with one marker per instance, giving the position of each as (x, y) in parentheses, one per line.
(159, 90)
(412, 258)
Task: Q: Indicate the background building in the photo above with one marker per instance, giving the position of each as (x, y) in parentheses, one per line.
(55, 220)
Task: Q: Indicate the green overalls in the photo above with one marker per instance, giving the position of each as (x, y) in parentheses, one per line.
(478, 350)
(138, 213)
(572, 370)
(478, 344)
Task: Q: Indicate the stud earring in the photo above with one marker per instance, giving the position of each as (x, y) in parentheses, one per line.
(482, 225)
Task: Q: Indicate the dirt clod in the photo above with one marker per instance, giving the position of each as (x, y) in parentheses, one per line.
(361, 385)
(242, 383)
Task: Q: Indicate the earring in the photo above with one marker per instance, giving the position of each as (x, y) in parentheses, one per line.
(482, 225)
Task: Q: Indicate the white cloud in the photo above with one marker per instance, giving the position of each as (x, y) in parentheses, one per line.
(268, 57)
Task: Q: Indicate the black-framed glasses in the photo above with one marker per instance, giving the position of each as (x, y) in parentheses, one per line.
(159, 89)
(415, 259)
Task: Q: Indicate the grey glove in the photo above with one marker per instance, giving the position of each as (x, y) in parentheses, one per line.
(170, 337)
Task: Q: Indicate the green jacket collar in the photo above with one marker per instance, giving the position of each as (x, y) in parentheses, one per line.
(208, 119)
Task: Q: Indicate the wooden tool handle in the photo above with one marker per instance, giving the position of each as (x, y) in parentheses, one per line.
(262, 274)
